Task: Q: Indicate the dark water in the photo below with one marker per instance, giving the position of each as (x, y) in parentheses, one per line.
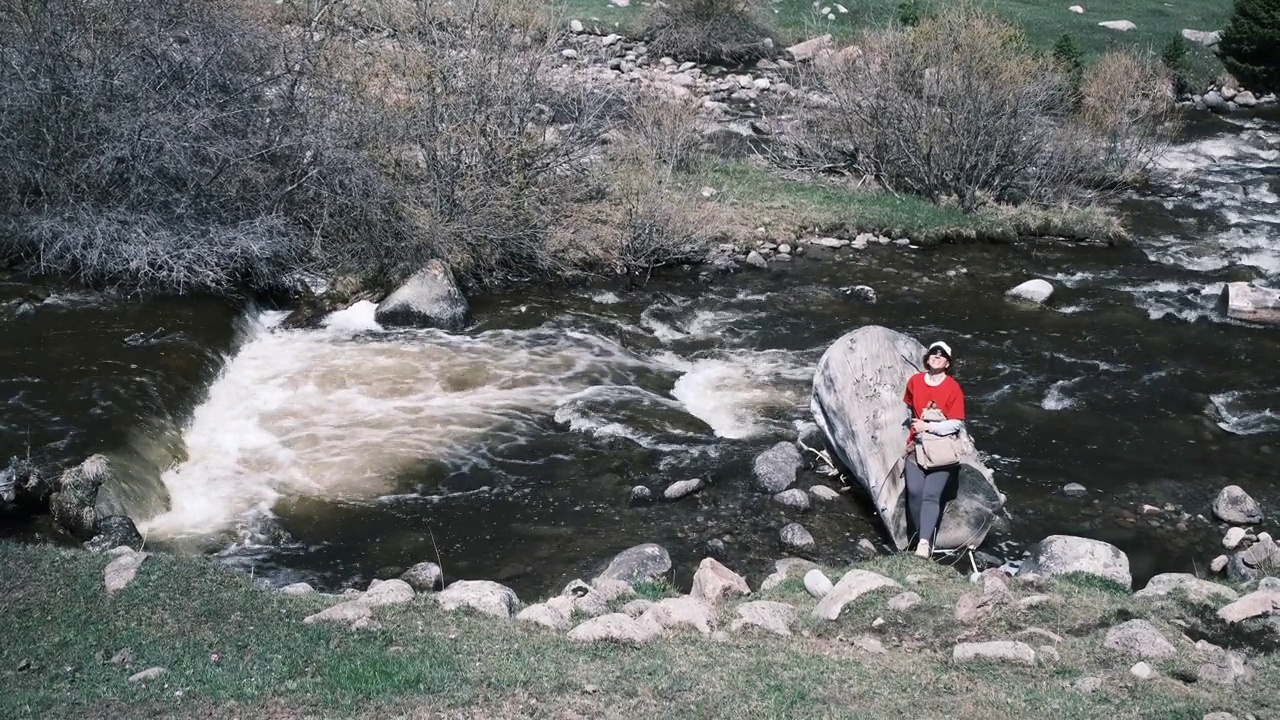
(508, 452)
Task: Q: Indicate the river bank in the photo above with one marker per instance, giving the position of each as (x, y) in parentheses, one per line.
(190, 638)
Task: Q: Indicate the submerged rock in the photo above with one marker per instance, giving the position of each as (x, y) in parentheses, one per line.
(1233, 505)
(793, 535)
(638, 564)
(115, 531)
(428, 299)
(775, 469)
(1033, 291)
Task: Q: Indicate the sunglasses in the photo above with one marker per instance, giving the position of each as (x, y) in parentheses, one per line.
(937, 352)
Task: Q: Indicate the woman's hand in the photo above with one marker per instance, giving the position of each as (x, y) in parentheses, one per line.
(919, 426)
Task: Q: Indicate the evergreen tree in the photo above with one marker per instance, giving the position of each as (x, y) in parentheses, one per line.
(1250, 45)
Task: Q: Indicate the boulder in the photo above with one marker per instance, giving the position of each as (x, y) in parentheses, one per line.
(793, 498)
(1076, 9)
(681, 488)
(1255, 604)
(978, 604)
(115, 531)
(1121, 25)
(812, 48)
(615, 628)
(1214, 101)
(151, 673)
(1233, 538)
(1206, 38)
(1139, 638)
(1246, 300)
(484, 596)
(772, 617)
(1223, 667)
(1246, 99)
(817, 583)
(298, 589)
(641, 495)
(611, 589)
(1197, 590)
(73, 505)
(545, 615)
(122, 570)
(1033, 291)
(793, 535)
(1010, 651)
(684, 611)
(638, 564)
(1074, 490)
(853, 585)
(903, 602)
(1142, 670)
(585, 599)
(1233, 505)
(348, 612)
(423, 577)
(428, 299)
(1062, 554)
(775, 469)
(716, 583)
(636, 608)
(387, 592)
(822, 492)
(782, 569)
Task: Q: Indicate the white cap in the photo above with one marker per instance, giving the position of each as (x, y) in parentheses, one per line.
(939, 344)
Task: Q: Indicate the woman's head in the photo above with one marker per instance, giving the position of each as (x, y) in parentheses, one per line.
(938, 357)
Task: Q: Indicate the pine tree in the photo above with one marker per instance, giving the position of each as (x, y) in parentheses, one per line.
(1250, 45)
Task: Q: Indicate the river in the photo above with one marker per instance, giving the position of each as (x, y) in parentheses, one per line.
(339, 454)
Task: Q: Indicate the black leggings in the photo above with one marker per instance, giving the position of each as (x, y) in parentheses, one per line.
(924, 495)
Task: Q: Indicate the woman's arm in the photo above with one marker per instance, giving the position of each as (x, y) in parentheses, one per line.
(945, 427)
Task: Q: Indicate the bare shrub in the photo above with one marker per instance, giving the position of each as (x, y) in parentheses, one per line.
(1127, 105)
(663, 130)
(962, 107)
(716, 31)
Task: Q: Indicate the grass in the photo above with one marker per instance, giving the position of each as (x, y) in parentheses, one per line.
(62, 630)
(791, 206)
(1043, 21)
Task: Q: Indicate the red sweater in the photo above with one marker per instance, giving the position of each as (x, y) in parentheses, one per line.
(948, 396)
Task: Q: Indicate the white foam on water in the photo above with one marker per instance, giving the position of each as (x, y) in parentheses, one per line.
(1245, 413)
(735, 393)
(1056, 397)
(340, 411)
(606, 298)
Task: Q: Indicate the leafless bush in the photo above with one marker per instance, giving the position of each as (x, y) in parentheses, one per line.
(664, 131)
(658, 222)
(961, 107)
(719, 31)
(1127, 104)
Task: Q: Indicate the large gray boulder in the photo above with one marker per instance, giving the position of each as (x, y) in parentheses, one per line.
(637, 564)
(1139, 638)
(74, 505)
(428, 299)
(483, 596)
(775, 469)
(115, 531)
(1197, 590)
(423, 577)
(1247, 301)
(1233, 505)
(1063, 554)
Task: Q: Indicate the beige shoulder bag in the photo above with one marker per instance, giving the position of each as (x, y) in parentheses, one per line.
(938, 451)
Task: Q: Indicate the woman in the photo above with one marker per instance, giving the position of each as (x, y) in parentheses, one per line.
(932, 388)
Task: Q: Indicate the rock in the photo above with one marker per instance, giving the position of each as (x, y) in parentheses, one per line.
(569, 54)
(611, 589)
(615, 627)
(424, 577)
(1204, 37)
(1246, 99)
(685, 611)
(853, 585)
(865, 549)
(1141, 639)
(829, 242)
(641, 495)
(1076, 9)
(1074, 490)
(124, 656)
(298, 589)
(1197, 590)
(1214, 101)
(114, 531)
(775, 469)
(545, 615)
(869, 644)
(636, 608)
(795, 498)
(811, 48)
(903, 602)
(1219, 563)
(755, 259)
(1219, 716)
(575, 26)
(817, 583)
(73, 505)
(773, 617)
(151, 673)
(387, 592)
(782, 569)
(1255, 604)
(978, 604)
(822, 492)
(715, 583)
(1087, 685)
(638, 564)
(584, 599)
(681, 488)
(1233, 505)
(1142, 671)
(349, 612)
(861, 293)
(428, 299)
(1233, 538)
(1000, 650)
(794, 535)
(1033, 291)
(122, 570)
(1040, 634)
(1062, 554)
(1225, 668)
(484, 596)
(1121, 25)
